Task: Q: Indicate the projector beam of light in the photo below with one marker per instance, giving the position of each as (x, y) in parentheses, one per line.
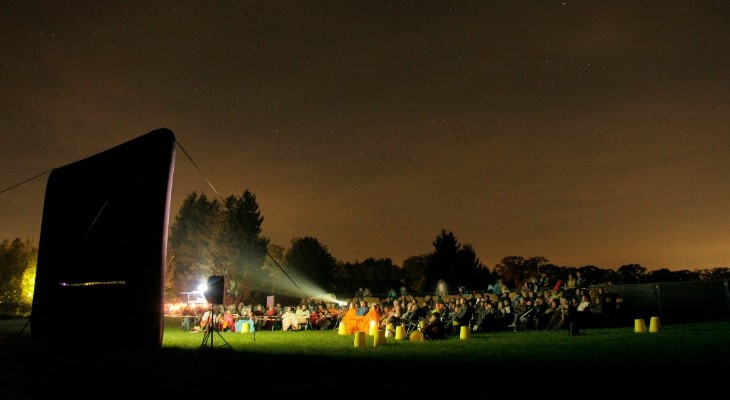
(289, 285)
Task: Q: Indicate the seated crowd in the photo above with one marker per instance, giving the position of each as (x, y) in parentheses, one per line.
(483, 312)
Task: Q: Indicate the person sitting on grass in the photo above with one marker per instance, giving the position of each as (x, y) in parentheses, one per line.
(229, 323)
(372, 317)
(362, 308)
(289, 320)
(320, 319)
(434, 328)
(244, 318)
(258, 313)
(419, 312)
(187, 318)
(333, 313)
(205, 322)
(269, 318)
(303, 315)
(350, 319)
(393, 316)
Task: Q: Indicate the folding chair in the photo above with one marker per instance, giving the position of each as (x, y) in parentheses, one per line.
(528, 320)
(336, 325)
(275, 323)
(307, 325)
(412, 325)
(414, 320)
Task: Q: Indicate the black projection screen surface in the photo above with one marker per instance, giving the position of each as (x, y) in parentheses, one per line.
(103, 244)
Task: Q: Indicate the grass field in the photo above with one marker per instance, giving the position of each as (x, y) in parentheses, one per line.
(325, 364)
(691, 343)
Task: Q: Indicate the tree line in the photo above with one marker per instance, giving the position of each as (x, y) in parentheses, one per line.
(224, 237)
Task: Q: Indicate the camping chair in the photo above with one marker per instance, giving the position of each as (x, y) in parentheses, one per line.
(411, 326)
(415, 320)
(275, 322)
(336, 325)
(528, 320)
(307, 325)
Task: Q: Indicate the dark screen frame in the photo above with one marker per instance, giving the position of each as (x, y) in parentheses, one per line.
(103, 246)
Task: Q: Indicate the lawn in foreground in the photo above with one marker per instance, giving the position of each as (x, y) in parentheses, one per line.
(705, 343)
(324, 364)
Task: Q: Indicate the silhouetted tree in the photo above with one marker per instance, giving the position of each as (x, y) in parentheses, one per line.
(310, 259)
(660, 275)
(241, 248)
(552, 271)
(531, 268)
(273, 268)
(192, 241)
(415, 269)
(472, 274)
(457, 265)
(16, 258)
(379, 275)
(517, 270)
(510, 269)
(592, 275)
(688, 276)
(631, 273)
(213, 238)
(718, 273)
(443, 262)
(170, 272)
(607, 277)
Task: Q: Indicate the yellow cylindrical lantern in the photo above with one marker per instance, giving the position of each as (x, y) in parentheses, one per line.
(400, 332)
(639, 326)
(465, 333)
(342, 330)
(416, 336)
(388, 330)
(359, 339)
(654, 325)
(373, 328)
(379, 338)
(455, 327)
(245, 327)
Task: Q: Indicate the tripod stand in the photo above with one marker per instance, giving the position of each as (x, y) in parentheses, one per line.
(210, 330)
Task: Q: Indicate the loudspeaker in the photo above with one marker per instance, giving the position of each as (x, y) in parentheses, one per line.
(214, 294)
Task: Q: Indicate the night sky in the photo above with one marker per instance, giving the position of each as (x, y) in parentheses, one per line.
(588, 133)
